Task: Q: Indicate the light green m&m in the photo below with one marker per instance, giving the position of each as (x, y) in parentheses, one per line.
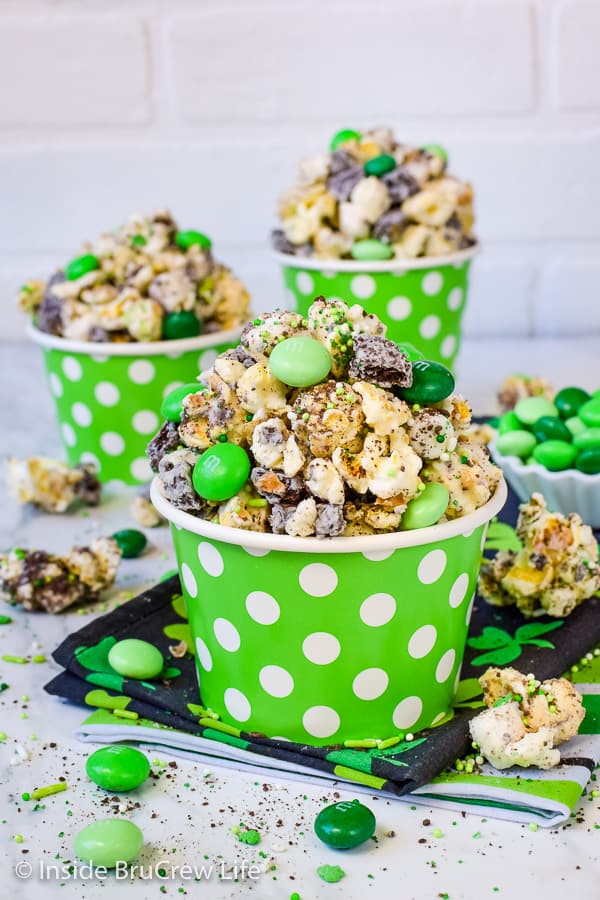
(171, 407)
(427, 508)
(342, 137)
(81, 266)
(555, 455)
(108, 842)
(300, 361)
(590, 412)
(575, 425)
(117, 768)
(530, 409)
(220, 472)
(380, 165)
(516, 443)
(371, 249)
(437, 150)
(134, 658)
(590, 437)
(180, 325)
(187, 239)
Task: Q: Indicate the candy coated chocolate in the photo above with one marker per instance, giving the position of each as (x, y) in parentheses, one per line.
(300, 361)
(380, 165)
(171, 407)
(342, 137)
(108, 842)
(590, 412)
(432, 382)
(117, 768)
(516, 443)
(134, 658)
(427, 507)
(530, 409)
(550, 428)
(569, 400)
(371, 249)
(220, 472)
(182, 324)
(131, 542)
(588, 461)
(80, 266)
(186, 239)
(555, 455)
(345, 825)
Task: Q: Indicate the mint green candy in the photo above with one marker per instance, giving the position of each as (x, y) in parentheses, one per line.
(108, 842)
(171, 407)
(300, 361)
(220, 472)
(590, 412)
(555, 455)
(134, 658)
(575, 425)
(380, 165)
(530, 409)
(437, 150)
(370, 249)
(516, 443)
(117, 768)
(81, 266)
(427, 508)
(509, 422)
(588, 461)
(342, 137)
(187, 239)
(588, 438)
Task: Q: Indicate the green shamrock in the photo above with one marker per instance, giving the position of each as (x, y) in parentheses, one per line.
(501, 536)
(504, 648)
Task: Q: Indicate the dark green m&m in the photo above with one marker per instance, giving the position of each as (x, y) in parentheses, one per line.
(345, 825)
(432, 382)
(131, 542)
(588, 461)
(220, 472)
(81, 266)
(380, 165)
(187, 239)
(171, 407)
(550, 428)
(569, 400)
(182, 324)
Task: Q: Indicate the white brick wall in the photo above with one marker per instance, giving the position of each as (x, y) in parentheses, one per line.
(206, 106)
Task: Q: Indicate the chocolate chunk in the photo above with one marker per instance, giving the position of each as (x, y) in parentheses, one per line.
(88, 489)
(277, 487)
(400, 184)
(219, 414)
(166, 440)
(330, 520)
(175, 471)
(98, 334)
(379, 361)
(282, 244)
(390, 226)
(342, 184)
(279, 516)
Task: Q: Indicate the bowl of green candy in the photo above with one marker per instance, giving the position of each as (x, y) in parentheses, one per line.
(553, 447)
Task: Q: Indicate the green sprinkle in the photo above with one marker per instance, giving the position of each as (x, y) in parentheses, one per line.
(18, 838)
(595, 793)
(533, 826)
(223, 438)
(440, 438)
(305, 417)
(20, 554)
(257, 502)
(138, 240)
(437, 833)
(257, 322)
(251, 836)
(476, 834)
(5, 620)
(38, 659)
(25, 796)
(349, 398)
(20, 660)
(359, 744)
(3, 736)
(125, 714)
(57, 788)
(249, 417)
(295, 896)
(331, 874)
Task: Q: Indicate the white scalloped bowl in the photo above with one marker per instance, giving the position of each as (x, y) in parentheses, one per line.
(565, 492)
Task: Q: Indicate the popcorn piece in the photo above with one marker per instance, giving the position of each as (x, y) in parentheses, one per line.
(44, 581)
(298, 521)
(468, 473)
(324, 481)
(242, 511)
(370, 199)
(265, 332)
(51, 484)
(144, 513)
(431, 433)
(517, 387)
(556, 570)
(525, 719)
(258, 389)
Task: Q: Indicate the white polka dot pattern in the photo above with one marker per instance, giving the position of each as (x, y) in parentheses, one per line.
(112, 443)
(422, 641)
(237, 705)
(107, 394)
(227, 635)
(318, 580)
(378, 609)
(204, 655)
(262, 607)
(210, 559)
(431, 567)
(407, 712)
(145, 422)
(321, 648)
(141, 371)
(189, 581)
(363, 286)
(276, 681)
(370, 684)
(321, 721)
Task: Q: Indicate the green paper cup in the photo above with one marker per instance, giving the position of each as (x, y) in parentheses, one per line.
(421, 301)
(108, 396)
(323, 641)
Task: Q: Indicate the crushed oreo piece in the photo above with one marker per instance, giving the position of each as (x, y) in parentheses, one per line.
(400, 184)
(282, 244)
(330, 520)
(390, 226)
(89, 488)
(240, 353)
(277, 487)
(164, 441)
(219, 414)
(339, 161)
(380, 361)
(175, 472)
(49, 313)
(343, 183)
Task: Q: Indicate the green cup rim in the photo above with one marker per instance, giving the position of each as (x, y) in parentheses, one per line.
(375, 543)
(139, 348)
(394, 266)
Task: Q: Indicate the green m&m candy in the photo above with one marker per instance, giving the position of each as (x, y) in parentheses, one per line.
(569, 400)
(220, 472)
(182, 324)
(575, 425)
(117, 768)
(509, 422)
(432, 382)
(555, 455)
(589, 437)
(427, 508)
(171, 407)
(371, 249)
(530, 409)
(187, 239)
(300, 361)
(345, 825)
(131, 542)
(550, 428)
(134, 658)
(108, 842)
(380, 165)
(81, 266)
(436, 149)
(342, 137)
(590, 412)
(588, 461)
(516, 443)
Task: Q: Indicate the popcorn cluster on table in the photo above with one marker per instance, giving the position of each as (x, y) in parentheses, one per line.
(48, 582)
(52, 485)
(142, 273)
(555, 571)
(372, 187)
(526, 719)
(343, 456)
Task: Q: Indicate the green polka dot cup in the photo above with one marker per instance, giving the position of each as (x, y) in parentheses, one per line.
(421, 301)
(108, 396)
(322, 641)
